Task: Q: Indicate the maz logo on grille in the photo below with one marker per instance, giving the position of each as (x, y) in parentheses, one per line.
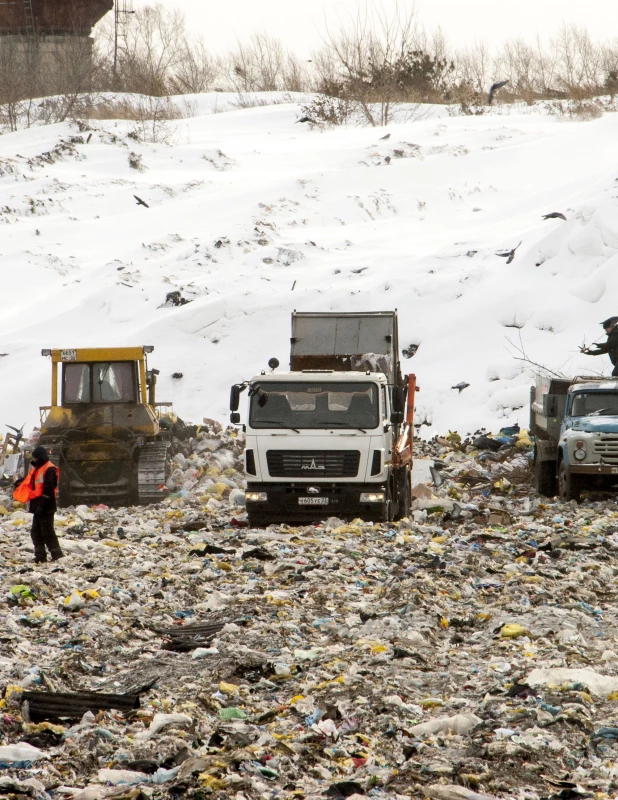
(313, 465)
(297, 463)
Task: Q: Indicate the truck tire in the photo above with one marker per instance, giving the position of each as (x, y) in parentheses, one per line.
(569, 485)
(545, 477)
(404, 498)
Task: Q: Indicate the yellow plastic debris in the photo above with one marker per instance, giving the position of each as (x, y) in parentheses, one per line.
(513, 631)
(228, 688)
(431, 702)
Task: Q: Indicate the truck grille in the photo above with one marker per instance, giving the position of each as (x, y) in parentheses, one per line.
(607, 449)
(314, 464)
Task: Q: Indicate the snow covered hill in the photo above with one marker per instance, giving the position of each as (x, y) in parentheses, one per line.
(252, 215)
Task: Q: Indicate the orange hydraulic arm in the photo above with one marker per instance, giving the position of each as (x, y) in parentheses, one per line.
(402, 454)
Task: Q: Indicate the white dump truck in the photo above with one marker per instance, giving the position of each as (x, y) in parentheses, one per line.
(333, 436)
(575, 425)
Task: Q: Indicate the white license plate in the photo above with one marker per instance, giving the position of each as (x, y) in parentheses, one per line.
(68, 355)
(313, 501)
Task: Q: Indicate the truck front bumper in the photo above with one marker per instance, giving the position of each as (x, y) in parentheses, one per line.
(295, 503)
(593, 469)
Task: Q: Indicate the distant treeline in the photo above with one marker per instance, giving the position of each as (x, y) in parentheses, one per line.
(361, 69)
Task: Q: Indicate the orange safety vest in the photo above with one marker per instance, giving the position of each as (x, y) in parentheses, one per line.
(32, 485)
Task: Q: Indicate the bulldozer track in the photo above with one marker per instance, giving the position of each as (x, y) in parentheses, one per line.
(152, 472)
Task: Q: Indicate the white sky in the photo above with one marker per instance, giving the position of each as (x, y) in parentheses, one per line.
(300, 22)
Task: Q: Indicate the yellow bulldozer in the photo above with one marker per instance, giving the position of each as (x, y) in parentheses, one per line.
(104, 428)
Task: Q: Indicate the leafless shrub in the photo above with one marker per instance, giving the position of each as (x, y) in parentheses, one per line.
(325, 111)
(154, 117)
(376, 65)
(255, 101)
(576, 109)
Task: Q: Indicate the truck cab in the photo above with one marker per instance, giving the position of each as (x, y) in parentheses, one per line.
(575, 422)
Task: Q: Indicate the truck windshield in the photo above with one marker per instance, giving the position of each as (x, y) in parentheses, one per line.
(103, 382)
(598, 403)
(314, 405)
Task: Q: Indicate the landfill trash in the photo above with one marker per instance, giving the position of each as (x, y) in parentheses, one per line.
(67, 705)
(467, 652)
(596, 684)
(20, 753)
(453, 792)
(458, 723)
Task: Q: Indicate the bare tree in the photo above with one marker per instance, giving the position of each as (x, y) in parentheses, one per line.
(150, 47)
(365, 62)
(262, 64)
(196, 70)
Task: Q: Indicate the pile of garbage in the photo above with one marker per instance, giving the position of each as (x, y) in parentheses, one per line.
(467, 652)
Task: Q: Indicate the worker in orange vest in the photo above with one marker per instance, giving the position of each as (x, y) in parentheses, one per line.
(39, 489)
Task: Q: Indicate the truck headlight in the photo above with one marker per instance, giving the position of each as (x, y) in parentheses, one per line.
(580, 454)
(256, 497)
(372, 497)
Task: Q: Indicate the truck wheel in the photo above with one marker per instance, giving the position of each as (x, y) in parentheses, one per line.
(404, 495)
(569, 485)
(544, 477)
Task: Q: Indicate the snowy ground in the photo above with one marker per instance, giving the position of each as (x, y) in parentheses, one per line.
(252, 215)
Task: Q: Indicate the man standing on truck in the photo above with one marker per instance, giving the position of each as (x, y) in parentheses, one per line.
(611, 345)
(39, 488)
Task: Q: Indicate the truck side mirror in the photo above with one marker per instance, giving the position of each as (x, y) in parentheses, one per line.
(397, 417)
(235, 418)
(234, 397)
(397, 399)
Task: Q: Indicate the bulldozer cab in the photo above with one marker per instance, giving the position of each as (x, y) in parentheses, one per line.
(104, 427)
(101, 375)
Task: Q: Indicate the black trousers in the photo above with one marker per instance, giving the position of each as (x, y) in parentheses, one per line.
(44, 536)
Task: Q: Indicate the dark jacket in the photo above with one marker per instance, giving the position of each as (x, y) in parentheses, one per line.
(47, 502)
(610, 347)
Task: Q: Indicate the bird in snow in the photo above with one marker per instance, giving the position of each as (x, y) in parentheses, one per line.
(304, 119)
(554, 215)
(494, 89)
(460, 386)
(383, 138)
(509, 255)
(140, 202)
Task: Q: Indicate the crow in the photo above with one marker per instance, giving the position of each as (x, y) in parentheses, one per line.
(436, 478)
(494, 89)
(460, 386)
(304, 119)
(509, 255)
(388, 136)
(140, 202)
(554, 215)
(410, 350)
